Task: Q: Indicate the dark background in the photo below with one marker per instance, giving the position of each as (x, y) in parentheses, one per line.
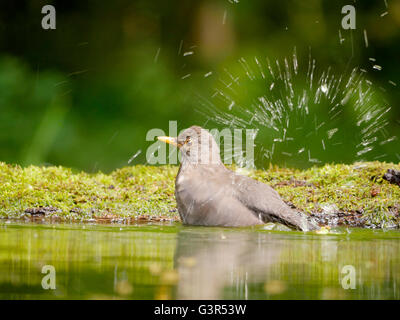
(85, 95)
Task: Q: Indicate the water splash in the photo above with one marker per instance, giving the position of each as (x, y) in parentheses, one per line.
(304, 115)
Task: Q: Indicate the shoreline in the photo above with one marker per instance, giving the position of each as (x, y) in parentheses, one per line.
(354, 195)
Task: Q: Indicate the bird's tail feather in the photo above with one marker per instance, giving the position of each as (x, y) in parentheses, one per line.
(294, 219)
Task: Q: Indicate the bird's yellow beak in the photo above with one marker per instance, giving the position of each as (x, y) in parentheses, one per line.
(169, 140)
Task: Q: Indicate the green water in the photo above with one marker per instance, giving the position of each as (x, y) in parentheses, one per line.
(175, 262)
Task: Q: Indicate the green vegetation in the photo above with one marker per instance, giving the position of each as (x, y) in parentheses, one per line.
(110, 72)
(144, 192)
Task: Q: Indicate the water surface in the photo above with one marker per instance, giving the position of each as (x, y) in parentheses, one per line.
(170, 261)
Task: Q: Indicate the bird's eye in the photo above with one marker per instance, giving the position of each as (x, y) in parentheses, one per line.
(188, 140)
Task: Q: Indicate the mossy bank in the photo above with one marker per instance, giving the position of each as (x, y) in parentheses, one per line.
(354, 195)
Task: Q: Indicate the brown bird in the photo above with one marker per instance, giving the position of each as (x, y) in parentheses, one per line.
(209, 194)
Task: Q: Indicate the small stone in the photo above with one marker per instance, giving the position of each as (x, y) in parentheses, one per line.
(393, 176)
(41, 211)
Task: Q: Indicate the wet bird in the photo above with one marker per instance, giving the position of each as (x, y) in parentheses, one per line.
(209, 194)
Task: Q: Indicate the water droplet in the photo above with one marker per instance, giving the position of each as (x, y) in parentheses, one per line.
(332, 132)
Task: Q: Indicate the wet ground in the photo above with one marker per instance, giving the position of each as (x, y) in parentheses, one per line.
(170, 261)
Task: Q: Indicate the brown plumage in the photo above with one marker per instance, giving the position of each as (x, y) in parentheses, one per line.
(209, 194)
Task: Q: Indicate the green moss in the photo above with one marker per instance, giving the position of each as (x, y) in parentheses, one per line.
(149, 191)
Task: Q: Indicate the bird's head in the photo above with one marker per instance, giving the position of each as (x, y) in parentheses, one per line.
(197, 146)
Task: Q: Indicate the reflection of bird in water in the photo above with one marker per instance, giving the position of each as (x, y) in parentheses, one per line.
(207, 261)
(209, 194)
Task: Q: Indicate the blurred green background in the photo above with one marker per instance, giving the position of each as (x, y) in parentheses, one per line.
(85, 95)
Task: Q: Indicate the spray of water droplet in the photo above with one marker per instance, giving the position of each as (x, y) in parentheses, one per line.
(134, 156)
(303, 114)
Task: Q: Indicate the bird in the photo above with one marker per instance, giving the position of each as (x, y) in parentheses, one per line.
(209, 194)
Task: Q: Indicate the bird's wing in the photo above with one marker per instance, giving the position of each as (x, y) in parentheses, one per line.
(264, 201)
(205, 197)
